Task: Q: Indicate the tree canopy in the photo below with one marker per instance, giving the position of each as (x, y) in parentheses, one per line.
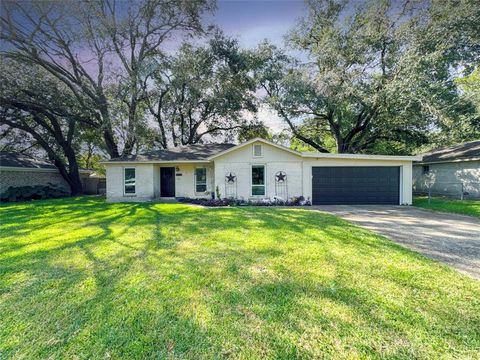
(203, 91)
(92, 78)
(46, 114)
(101, 50)
(382, 73)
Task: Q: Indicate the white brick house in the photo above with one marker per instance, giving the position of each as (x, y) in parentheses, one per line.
(260, 169)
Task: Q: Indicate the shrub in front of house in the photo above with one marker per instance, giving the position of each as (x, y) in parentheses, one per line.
(294, 201)
(37, 192)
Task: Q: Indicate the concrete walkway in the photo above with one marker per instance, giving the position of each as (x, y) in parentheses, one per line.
(452, 239)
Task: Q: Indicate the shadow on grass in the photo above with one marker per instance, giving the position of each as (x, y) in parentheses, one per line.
(152, 280)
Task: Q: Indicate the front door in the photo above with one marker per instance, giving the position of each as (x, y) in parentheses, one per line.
(167, 182)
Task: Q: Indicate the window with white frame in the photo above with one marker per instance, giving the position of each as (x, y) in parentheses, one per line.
(129, 181)
(200, 180)
(258, 179)
(257, 150)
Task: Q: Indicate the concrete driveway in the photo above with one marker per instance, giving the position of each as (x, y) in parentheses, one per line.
(452, 239)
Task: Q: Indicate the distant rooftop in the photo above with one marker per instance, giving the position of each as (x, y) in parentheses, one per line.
(458, 152)
(22, 161)
(12, 159)
(194, 152)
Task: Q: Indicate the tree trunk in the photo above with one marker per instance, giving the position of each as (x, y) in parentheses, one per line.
(74, 181)
(72, 177)
(76, 186)
(110, 144)
(340, 145)
(131, 138)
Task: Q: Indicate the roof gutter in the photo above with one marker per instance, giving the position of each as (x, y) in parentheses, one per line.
(362, 156)
(447, 161)
(110, 162)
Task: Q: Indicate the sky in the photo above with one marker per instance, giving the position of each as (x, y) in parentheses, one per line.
(251, 22)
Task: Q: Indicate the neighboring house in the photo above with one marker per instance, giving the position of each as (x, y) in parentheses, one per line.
(22, 170)
(260, 169)
(95, 184)
(450, 171)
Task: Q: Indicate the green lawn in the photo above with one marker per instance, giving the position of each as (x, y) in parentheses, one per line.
(464, 207)
(80, 278)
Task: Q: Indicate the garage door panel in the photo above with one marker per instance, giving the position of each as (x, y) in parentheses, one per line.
(356, 185)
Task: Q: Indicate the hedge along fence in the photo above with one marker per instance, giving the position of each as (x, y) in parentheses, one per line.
(37, 192)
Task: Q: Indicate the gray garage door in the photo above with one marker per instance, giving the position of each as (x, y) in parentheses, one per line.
(356, 185)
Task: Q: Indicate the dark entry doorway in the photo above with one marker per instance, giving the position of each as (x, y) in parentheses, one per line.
(167, 182)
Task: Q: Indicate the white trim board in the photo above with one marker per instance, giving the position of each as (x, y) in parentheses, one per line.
(159, 162)
(361, 157)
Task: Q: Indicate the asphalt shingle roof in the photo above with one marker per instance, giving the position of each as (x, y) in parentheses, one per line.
(17, 160)
(463, 151)
(195, 152)
(12, 159)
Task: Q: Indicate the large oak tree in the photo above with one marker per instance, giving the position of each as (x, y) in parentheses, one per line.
(203, 91)
(378, 72)
(101, 50)
(42, 110)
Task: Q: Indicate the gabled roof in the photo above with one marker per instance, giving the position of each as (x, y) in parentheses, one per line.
(458, 152)
(208, 152)
(17, 160)
(318, 154)
(194, 152)
(236, 147)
